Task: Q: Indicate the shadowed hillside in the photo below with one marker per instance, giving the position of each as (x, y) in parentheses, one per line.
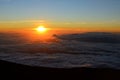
(23, 72)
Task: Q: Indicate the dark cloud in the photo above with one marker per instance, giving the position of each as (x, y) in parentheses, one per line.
(92, 37)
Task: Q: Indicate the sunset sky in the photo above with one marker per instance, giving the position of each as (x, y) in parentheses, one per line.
(83, 15)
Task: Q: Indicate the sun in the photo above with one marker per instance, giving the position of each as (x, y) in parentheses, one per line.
(41, 29)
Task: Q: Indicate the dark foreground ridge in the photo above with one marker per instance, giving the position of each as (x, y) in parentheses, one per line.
(22, 72)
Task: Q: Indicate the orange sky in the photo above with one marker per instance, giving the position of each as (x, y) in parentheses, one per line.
(60, 27)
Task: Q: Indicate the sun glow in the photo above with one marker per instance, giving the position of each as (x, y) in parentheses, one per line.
(41, 29)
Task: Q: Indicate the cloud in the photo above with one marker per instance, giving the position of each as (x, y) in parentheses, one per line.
(6, 0)
(82, 23)
(24, 21)
(73, 50)
(69, 23)
(93, 37)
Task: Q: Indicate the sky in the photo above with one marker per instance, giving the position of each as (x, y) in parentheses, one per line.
(89, 15)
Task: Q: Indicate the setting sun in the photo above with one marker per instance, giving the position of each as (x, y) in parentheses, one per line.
(41, 29)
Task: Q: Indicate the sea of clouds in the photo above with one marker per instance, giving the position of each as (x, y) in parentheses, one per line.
(92, 49)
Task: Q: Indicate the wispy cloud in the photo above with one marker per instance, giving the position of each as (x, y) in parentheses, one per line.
(69, 23)
(6, 0)
(23, 21)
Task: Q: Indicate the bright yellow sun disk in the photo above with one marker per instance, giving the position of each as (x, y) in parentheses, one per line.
(41, 29)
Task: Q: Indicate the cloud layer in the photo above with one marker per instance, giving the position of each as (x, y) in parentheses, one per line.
(72, 50)
(93, 37)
